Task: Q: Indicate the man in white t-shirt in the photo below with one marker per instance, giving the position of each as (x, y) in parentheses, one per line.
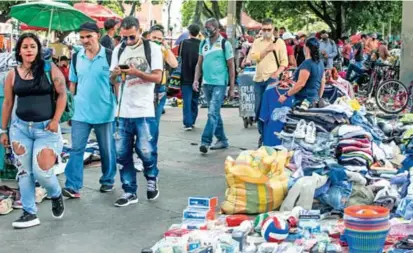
(139, 63)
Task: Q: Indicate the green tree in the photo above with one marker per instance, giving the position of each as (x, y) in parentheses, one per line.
(5, 9)
(340, 16)
(195, 11)
(114, 6)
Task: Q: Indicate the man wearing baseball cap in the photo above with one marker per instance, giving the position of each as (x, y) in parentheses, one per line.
(94, 108)
(110, 28)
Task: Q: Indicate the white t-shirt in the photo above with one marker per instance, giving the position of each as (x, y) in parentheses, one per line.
(138, 95)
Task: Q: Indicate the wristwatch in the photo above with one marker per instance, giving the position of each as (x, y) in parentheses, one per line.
(2, 131)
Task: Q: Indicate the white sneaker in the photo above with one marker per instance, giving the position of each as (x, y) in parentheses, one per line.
(300, 130)
(310, 133)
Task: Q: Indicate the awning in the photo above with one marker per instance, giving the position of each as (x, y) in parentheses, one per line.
(97, 12)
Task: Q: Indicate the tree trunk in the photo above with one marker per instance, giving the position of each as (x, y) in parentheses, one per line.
(169, 14)
(120, 2)
(215, 9)
(133, 9)
(239, 11)
(196, 18)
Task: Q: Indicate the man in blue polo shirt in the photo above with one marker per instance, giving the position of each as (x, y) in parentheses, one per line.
(94, 108)
(216, 61)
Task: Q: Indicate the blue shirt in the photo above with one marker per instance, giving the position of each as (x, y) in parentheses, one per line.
(312, 87)
(214, 66)
(94, 99)
(274, 114)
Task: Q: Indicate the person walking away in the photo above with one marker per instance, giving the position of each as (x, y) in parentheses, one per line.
(89, 76)
(215, 61)
(299, 49)
(359, 50)
(189, 51)
(309, 77)
(271, 57)
(289, 42)
(108, 39)
(142, 64)
(35, 136)
(157, 36)
(328, 50)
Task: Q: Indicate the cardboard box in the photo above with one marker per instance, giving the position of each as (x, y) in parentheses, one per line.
(196, 213)
(203, 202)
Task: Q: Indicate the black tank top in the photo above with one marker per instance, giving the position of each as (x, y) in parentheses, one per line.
(34, 102)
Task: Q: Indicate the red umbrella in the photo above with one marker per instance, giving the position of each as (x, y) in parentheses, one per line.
(97, 12)
(25, 27)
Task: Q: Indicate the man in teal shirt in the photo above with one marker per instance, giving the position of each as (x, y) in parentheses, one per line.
(94, 108)
(216, 63)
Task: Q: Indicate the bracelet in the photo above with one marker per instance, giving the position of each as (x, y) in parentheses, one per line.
(3, 131)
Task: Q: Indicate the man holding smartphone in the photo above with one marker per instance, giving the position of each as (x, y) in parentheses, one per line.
(139, 63)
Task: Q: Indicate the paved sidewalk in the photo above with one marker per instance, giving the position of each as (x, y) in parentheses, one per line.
(93, 224)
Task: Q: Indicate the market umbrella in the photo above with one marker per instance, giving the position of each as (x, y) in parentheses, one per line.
(51, 15)
(181, 38)
(97, 12)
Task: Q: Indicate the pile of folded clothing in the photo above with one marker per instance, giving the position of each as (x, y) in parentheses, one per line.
(354, 149)
(325, 119)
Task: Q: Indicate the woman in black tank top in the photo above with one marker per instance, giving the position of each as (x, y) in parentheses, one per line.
(35, 136)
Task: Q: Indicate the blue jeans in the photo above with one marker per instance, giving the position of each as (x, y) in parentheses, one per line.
(33, 138)
(358, 72)
(190, 105)
(214, 95)
(259, 89)
(160, 91)
(338, 195)
(146, 132)
(80, 135)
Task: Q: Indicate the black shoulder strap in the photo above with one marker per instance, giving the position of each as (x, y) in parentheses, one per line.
(121, 49)
(108, 53)
(224, 48)
(180, 48)
(74, 60)
(148, 53)
(275, 54)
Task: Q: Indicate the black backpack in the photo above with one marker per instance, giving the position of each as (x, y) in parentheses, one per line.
(146, 48)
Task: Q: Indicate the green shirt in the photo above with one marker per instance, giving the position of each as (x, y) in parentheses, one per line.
(214, 66)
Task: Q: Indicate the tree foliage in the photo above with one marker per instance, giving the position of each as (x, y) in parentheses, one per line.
(340, 16)
(196, 11)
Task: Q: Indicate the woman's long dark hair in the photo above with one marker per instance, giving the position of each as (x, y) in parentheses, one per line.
(37, 67)
(314, 45)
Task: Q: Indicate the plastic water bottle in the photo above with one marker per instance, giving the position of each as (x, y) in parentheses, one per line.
(240, 237)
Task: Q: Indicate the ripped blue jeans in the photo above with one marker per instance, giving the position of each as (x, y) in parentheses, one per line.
(28, 140)
(145, 130)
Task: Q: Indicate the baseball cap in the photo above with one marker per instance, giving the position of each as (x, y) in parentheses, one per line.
(288, 35)
(90, 27)
(374, 36)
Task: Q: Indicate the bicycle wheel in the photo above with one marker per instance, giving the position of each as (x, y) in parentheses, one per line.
(392, 96)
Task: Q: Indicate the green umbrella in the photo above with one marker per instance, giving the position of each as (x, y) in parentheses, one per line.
(52, 15)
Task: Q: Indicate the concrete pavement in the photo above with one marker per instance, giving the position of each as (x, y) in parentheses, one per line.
(93, 224)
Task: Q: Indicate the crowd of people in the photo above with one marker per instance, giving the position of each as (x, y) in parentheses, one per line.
(127, 78)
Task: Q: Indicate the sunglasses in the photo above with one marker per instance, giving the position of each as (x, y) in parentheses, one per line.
(266, 30)
(131, 38)
(87, 37)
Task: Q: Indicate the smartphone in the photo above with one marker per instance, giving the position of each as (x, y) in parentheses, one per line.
(123, 66)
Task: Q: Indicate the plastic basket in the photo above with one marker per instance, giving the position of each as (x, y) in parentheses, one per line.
(366, 212)
(365, 242)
